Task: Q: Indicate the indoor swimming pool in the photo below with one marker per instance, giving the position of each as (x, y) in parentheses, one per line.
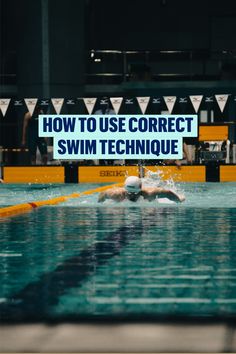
(80, 259)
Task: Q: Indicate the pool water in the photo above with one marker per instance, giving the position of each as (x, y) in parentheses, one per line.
(80, 259)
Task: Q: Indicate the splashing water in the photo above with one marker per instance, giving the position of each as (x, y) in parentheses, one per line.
(155, 179)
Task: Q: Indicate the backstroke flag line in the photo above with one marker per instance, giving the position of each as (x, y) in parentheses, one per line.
(120, 104)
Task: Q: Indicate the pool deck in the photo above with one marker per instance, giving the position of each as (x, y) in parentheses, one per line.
(132, 337)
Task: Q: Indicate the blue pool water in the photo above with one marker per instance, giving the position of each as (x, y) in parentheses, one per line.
(83, 259)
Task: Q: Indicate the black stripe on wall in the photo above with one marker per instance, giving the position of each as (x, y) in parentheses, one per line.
(71, 173)
(212, 171)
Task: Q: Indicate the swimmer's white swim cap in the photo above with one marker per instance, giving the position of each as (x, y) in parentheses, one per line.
(133, 184)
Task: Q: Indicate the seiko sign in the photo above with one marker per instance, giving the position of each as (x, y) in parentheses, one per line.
(112, 173)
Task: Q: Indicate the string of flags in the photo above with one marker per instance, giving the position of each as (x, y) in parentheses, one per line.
(112, 105)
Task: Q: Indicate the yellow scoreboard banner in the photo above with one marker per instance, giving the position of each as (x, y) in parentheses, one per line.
(104, 174)
(32, 174)
(228, 173)
(213, 132)
(179, 174)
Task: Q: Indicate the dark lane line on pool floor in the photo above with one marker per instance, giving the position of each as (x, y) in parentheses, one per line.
(33, 302)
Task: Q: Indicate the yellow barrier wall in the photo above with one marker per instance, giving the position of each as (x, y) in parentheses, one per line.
(182, 174)
(228, 173)
(213, 132)
(109, 174)
(33, 174)
(106, 174)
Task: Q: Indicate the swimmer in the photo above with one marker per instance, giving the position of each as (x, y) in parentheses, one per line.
(133, 190)
(1, 180)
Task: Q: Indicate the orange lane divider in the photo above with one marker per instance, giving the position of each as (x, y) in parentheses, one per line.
(15, 209)
(26, 207)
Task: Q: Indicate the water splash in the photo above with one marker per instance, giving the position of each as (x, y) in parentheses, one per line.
(156, 179)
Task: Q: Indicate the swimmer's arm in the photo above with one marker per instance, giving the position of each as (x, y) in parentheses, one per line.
(172, 196)
(114, 194)
(163, 193)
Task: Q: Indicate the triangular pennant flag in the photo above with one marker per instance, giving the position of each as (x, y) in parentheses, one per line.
(196, 101)
(90, 103)
(31, 103)
(116, 103)
(143, 103)
(4, 103)
(221, 100)
(57, 104)
(170, 102)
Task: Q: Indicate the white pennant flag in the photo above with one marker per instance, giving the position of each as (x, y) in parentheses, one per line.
(196, 101)
(143, 103)
(90, 103)
(4, 103)
(31, 103)
(170, 102)
(57, 104)
(116, 103)
(221, 100)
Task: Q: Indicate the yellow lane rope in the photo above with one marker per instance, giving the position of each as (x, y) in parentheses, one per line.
(26, 207)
